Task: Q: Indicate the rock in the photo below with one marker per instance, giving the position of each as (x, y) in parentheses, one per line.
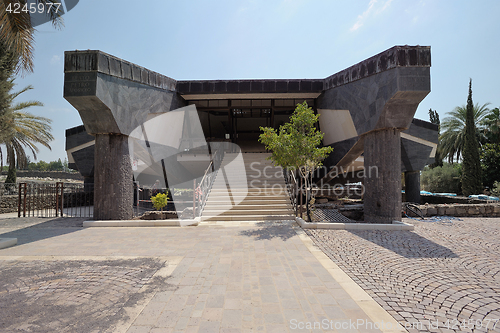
(450, 211)
(431, 211)
(461, 211)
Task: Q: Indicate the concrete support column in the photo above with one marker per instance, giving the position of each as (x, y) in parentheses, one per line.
(412, 186)
(113, 191)
(382, 155)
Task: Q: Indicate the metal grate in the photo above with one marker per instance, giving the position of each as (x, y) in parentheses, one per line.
(329, 215)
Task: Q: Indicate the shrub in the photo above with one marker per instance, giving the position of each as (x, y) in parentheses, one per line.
(445, 179)
(159, 201)
(490, 162)
(495, 190)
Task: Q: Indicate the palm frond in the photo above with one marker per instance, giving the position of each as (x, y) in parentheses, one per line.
(17, 32)
(453, 130)
(25, 131)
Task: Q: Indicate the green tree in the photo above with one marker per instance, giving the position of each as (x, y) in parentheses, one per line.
(56, 165)
(453, 126)
(295, 146)
(492, 125)
(490, 163)
(24, 130)
(471, 167)
(17, 32)
(434, 118)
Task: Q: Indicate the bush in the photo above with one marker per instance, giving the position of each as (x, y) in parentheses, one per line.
(445, 179)
(495, 190)
(490, 163)
(159, 201)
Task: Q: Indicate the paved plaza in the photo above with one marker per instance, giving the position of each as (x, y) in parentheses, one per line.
(242, 277)
(445, 274)
(265, 277)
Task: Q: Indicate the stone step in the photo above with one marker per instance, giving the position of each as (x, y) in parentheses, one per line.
(259, 189)
(250, 189)
(252, 205)
(247, 218)
(247, 206)
(253, 192)
(253, 183)
(248, 212)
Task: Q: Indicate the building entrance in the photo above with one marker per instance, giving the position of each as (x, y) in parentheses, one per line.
(239, 120)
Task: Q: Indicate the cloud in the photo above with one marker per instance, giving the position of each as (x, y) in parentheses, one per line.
(374, 8)
(55, 60)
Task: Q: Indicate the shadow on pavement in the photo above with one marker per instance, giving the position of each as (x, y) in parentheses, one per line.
(267, 232)
(33, 231)
(406, 243)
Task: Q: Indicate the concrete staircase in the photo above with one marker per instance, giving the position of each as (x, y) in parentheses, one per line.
(249, 189)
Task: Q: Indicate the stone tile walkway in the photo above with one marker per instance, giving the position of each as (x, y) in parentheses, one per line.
(247, 278)
(443, 277)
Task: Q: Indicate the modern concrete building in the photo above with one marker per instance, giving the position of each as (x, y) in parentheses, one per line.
(366, 113)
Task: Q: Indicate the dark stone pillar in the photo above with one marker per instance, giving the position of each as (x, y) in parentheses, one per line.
(88, 184)
(113, 178)
(412, 186)
(382, 199)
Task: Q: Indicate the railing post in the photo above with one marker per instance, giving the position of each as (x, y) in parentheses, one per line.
(62, 199)
(19, 201)
(57, 199)
(24, 199)
(194, 198)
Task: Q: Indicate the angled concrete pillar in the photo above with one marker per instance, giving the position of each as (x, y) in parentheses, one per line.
(113, 97)
(382, 94)
(382, 199)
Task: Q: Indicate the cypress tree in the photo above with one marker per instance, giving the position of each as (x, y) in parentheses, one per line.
(471, 167)
(438, 159)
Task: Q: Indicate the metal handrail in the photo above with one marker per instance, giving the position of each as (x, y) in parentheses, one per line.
(204, 187)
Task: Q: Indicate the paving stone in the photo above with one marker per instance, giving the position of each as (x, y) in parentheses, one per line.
(440, 271)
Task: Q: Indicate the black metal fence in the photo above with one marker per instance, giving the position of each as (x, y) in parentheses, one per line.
(50, 199)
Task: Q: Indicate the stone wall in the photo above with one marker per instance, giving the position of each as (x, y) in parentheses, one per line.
(48, 174)
(8, 204)
(462, 210)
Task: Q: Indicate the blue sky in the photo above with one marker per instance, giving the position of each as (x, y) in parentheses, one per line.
(270, 39)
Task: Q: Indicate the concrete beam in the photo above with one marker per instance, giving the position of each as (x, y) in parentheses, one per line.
(113, 97)
(382, 95)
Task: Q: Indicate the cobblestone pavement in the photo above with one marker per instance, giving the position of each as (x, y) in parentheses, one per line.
(442, 277)
(68, 294)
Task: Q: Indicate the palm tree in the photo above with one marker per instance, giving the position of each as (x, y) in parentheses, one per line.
(452, 137)
(492, 125)
(17, 32)
(23, 130)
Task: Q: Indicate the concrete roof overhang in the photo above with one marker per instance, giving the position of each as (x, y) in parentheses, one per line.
(249, 89)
